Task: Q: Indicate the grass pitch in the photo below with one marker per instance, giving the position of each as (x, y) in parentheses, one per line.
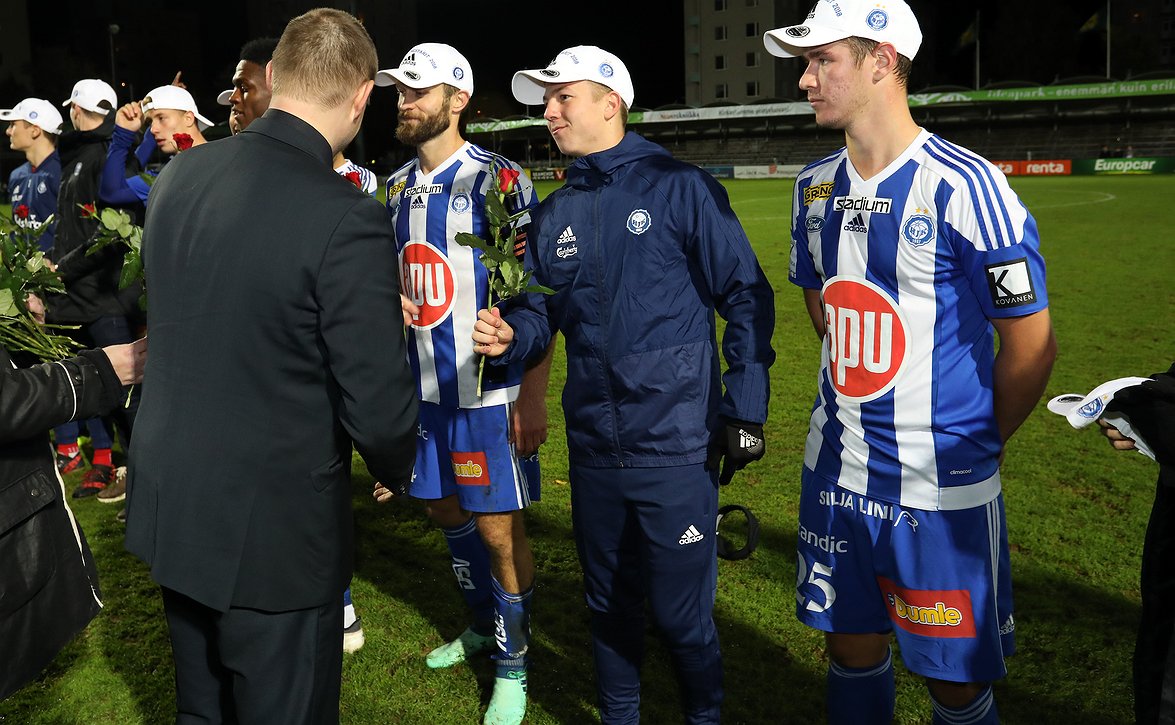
(1076, 516)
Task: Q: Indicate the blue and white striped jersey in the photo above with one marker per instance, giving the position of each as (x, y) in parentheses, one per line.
(367, 180)
(911, 265)
(447, 280)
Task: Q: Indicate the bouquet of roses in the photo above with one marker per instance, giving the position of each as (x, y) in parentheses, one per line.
(25, 273)
(507, 277)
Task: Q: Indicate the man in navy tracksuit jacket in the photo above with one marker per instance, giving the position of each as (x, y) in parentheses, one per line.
(641, 250)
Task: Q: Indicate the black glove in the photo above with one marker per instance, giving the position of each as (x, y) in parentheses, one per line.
(736, 444)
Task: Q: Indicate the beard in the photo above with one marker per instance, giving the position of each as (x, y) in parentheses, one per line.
(417, 132)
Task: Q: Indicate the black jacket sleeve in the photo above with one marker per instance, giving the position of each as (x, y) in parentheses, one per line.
(34, 399)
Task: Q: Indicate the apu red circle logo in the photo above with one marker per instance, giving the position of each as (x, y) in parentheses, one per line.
(866, 336)
(427, 280)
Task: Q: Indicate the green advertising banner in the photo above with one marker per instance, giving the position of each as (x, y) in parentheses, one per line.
(1076, 92)
(1084, 91)
(1161, 165)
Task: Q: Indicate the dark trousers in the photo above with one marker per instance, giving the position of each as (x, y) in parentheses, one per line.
(1154, 653)
(250, 667)
(116, 330)
(647, 535)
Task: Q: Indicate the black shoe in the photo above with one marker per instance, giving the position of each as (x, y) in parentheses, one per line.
(69, 464)
(96, 479)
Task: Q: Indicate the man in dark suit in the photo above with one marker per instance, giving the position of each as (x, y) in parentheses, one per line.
(276, 344)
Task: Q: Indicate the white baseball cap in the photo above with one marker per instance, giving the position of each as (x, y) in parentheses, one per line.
(581, 63)
(88, 93)
(36, 111)
(1082, 410)
(224, 96)
(832, 20)
(427, 65)
(174, 98)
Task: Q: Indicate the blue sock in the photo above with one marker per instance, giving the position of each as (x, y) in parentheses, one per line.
(349, 616)
(980, 711)
(511, 628)
(471, 566)
(861, 696)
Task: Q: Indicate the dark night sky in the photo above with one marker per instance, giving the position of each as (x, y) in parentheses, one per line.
(1037, 42)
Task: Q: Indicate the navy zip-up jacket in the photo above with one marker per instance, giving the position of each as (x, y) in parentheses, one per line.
(641, 249)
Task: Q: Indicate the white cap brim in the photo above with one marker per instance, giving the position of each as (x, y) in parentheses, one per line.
(529, 88)
(385, 78)
(223, 98)
(794, 40)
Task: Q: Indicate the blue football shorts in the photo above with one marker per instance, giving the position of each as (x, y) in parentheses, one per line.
(939, 580)
(466, 451)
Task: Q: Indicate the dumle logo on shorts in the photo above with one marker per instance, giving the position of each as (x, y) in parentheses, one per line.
(426, 278)
(470, 468)
(930, 613)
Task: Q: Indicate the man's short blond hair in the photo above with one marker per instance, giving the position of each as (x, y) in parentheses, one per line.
(322, 57)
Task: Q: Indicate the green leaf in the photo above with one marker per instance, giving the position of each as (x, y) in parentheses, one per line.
(8, 307)
(111, 218)
(498, 256)
(466, 239)
(496, 210)
(132, 270)
(537, 288)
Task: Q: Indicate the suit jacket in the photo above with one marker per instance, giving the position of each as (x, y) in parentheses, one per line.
(276, 342)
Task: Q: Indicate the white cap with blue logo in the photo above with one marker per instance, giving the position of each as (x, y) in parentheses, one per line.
(832, 20)
(1082, 410)
(427, 65)
(36, 111)
(581, 63)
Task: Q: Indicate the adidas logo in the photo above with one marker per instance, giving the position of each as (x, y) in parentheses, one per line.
(418, 202)
(857, 224)
(409, 59)
(690, 536)
(748, 441)
(566, 244)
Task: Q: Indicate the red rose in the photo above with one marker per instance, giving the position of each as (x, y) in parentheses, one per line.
(507, 180)
(353, 177)
(21, 211)
(183, 141)
(88, 210)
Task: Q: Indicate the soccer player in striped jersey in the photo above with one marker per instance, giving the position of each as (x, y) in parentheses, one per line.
(913, 254)
(476, 461)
